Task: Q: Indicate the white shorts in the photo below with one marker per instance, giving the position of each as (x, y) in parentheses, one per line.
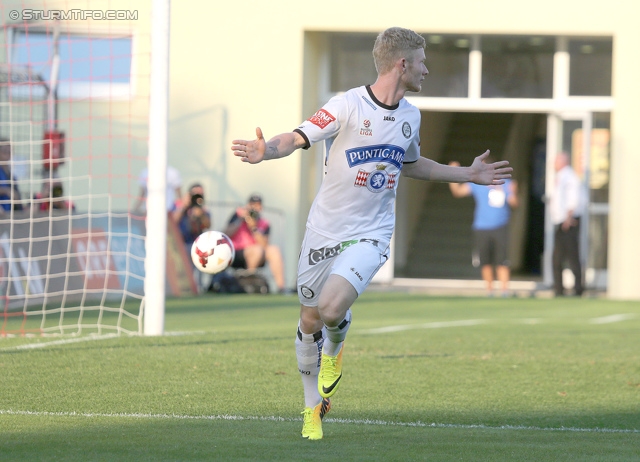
(357, 261)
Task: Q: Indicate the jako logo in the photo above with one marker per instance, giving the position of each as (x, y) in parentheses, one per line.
(389, 119)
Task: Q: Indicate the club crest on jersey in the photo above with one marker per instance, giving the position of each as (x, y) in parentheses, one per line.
(406, 130)
(366, 130)
(306, 292)
(321, 118)
(377, 180)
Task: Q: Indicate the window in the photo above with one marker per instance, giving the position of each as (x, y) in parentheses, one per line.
(590, 67)
(90, 66)
(517, 66)
(352, 61)
(600, 156)
(513, 66)
(448, 64)
(447, 60)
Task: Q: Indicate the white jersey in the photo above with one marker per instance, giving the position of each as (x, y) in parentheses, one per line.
(367, 143)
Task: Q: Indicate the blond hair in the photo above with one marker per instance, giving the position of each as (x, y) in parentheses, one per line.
(393, 44)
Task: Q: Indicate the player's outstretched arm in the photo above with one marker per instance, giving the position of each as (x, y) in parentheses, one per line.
(479, 172)
(257, 150)
(488, 174)
(459, 189)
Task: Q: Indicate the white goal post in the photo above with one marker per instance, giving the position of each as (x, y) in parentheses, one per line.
(155, 263)
(77, 130)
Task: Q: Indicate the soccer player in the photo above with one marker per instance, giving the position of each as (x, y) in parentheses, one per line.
(371, 134)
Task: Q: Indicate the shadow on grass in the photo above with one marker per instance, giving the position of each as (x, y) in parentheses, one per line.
(223, 302)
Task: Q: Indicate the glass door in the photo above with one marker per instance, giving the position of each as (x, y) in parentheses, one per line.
(588, 148)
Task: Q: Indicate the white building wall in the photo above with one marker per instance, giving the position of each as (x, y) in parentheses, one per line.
(246, 59)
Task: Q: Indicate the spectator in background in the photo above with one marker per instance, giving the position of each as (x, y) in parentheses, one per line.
(566, 204)
(174, 189)
(51, 197)
(490, 226)
(9, 192)
(249, 232)
(193, 218)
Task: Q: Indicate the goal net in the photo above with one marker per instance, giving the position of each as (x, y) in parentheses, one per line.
(74, 110)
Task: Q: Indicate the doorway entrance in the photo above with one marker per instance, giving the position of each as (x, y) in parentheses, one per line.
(433, 238)
(585, 137)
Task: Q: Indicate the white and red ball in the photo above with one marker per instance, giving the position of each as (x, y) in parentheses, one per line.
(223, 252)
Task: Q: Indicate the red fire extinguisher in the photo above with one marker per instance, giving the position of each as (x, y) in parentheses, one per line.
(53, 149)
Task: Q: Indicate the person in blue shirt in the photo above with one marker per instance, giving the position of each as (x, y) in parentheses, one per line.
(9, 193)
(490, 227)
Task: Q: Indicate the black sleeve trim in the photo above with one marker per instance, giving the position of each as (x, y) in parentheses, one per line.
(306, 140)
(412, 162)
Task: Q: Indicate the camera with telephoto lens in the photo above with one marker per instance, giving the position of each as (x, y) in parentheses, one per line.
(197, 200)
(254, 214)
(56, 191)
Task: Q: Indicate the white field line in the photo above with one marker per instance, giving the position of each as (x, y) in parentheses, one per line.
(88, 338)
(297, 419)
(612, 318)
(475, 322)
(529, 321)
(380, 330)
(429, 325)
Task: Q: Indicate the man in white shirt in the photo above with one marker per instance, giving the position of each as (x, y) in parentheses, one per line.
(566, 208)
(371, 135)
(174, 189)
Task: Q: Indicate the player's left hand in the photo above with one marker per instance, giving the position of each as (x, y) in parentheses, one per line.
(489, 174)
(250, 151)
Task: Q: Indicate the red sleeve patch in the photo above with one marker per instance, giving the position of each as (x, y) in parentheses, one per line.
(321, 118)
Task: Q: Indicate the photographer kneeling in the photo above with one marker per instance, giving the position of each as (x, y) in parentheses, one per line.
(249, 232)
(51, 197)
(193, 219)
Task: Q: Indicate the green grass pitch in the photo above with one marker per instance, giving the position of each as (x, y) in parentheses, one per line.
(425, 378)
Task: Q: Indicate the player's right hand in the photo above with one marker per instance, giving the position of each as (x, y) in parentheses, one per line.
(250, 151)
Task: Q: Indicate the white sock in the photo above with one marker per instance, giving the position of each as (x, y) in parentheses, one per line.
(308, 352)
(336, 336)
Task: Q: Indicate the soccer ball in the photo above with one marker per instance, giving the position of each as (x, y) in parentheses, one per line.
(223, 252)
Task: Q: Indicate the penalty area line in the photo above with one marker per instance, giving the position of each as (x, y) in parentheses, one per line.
(612, 318)
(88, 338)
(93, 338)
(428, 325)
(418, 424)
